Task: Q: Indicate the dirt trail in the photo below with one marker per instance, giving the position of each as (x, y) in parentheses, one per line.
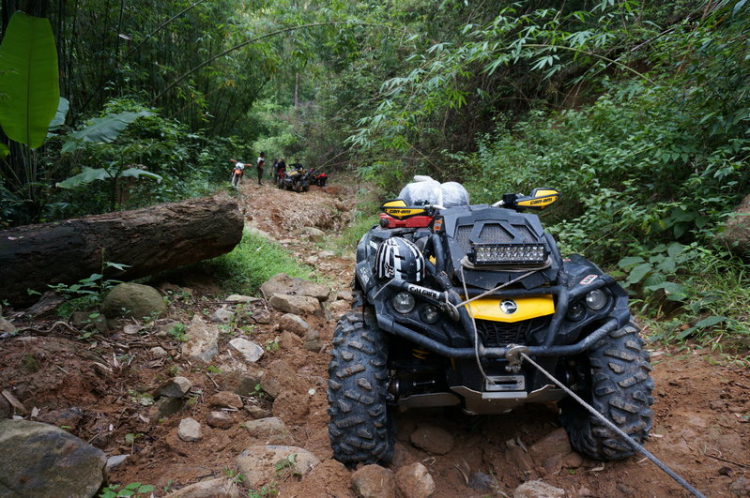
(701, 427)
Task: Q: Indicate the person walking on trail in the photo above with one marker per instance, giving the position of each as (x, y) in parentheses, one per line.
(260, 164)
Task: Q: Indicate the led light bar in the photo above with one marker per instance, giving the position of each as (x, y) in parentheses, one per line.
(507, 254)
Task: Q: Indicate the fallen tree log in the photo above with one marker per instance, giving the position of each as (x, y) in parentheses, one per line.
(148, 240)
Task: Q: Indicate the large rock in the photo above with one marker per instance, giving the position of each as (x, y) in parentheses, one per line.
(249, 350)
(293, 323)
(41, 460)
(298, 305)
(133, 300)
(280, 377)
(737, 229)
(284, 284)
(415, 481)
(374, 481)
(176, 387)
(271, 430)
(432, 439)
(203, 340)
(262, 464)
(556, 443)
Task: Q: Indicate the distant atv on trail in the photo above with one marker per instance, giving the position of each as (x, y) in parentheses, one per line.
(447, 295)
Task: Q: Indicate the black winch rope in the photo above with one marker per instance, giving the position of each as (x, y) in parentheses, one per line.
(640, 449)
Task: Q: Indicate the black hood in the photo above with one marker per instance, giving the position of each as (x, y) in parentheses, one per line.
(487, 224)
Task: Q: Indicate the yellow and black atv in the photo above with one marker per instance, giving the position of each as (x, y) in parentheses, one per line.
(445, 296)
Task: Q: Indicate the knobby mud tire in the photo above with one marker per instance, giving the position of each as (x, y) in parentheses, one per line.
(361, 428)
(620, 389)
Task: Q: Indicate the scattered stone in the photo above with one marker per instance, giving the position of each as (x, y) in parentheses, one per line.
(271, 429)
(415, 481)
(133, 300)
(583, 491)
(249, 384)
(158, 352)
(572, 461)
(312, 340)
(374, 481)
(311, 260)
(176, 387)
(116, 460)
(432, 439)
(520, 461)
(259, 463)
(280, 377)
(741, 487)
(293, 323)
(344, 295)
(287, 340)
(189, 430)
(483, 483)
(165, 407)
(554, 443)
(222, 487)
(203, 340)
(261, 316)
(553, 465)
(67, 417)
(326, 254)
(6, 326)
(220, 420)
(238, 298)
(284, 284)
(222, 315)
(42, 460)
(295, 304)
(249, 350)
(225, 399)
(625, 490)
(538, 489)
(291, 407)
(257, 412)
(313, 234)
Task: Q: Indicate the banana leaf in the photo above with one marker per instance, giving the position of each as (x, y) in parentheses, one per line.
(29, 79)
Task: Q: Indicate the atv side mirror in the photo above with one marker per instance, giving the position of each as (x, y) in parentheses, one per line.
(539, 199)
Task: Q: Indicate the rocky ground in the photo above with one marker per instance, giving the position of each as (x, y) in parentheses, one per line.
(248, 416)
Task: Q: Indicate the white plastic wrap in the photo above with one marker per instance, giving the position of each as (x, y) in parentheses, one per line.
(425, 190)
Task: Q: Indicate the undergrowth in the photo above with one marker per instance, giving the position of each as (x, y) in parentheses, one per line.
(253, 262)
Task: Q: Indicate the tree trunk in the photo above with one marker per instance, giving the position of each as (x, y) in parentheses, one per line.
(149, 240)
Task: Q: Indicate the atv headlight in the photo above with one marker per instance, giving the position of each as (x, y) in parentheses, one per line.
(429, 314)
(576, 311)
(596, 299)
(403, 302)
(503, 254)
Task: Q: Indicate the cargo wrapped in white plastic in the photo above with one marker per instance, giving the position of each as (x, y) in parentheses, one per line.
(425, 190)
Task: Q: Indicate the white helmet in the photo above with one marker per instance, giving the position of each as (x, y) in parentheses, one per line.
(399, 259)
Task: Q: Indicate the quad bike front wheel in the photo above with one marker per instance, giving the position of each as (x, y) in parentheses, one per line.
(361, 428)
(616, 381)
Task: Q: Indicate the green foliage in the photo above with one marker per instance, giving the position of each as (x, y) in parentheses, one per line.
(28, 79)
(87, 294)
(135, 489)
(253, 262)
(178, 332)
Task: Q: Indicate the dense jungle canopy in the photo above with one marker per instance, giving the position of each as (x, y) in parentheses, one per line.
(638, 111)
